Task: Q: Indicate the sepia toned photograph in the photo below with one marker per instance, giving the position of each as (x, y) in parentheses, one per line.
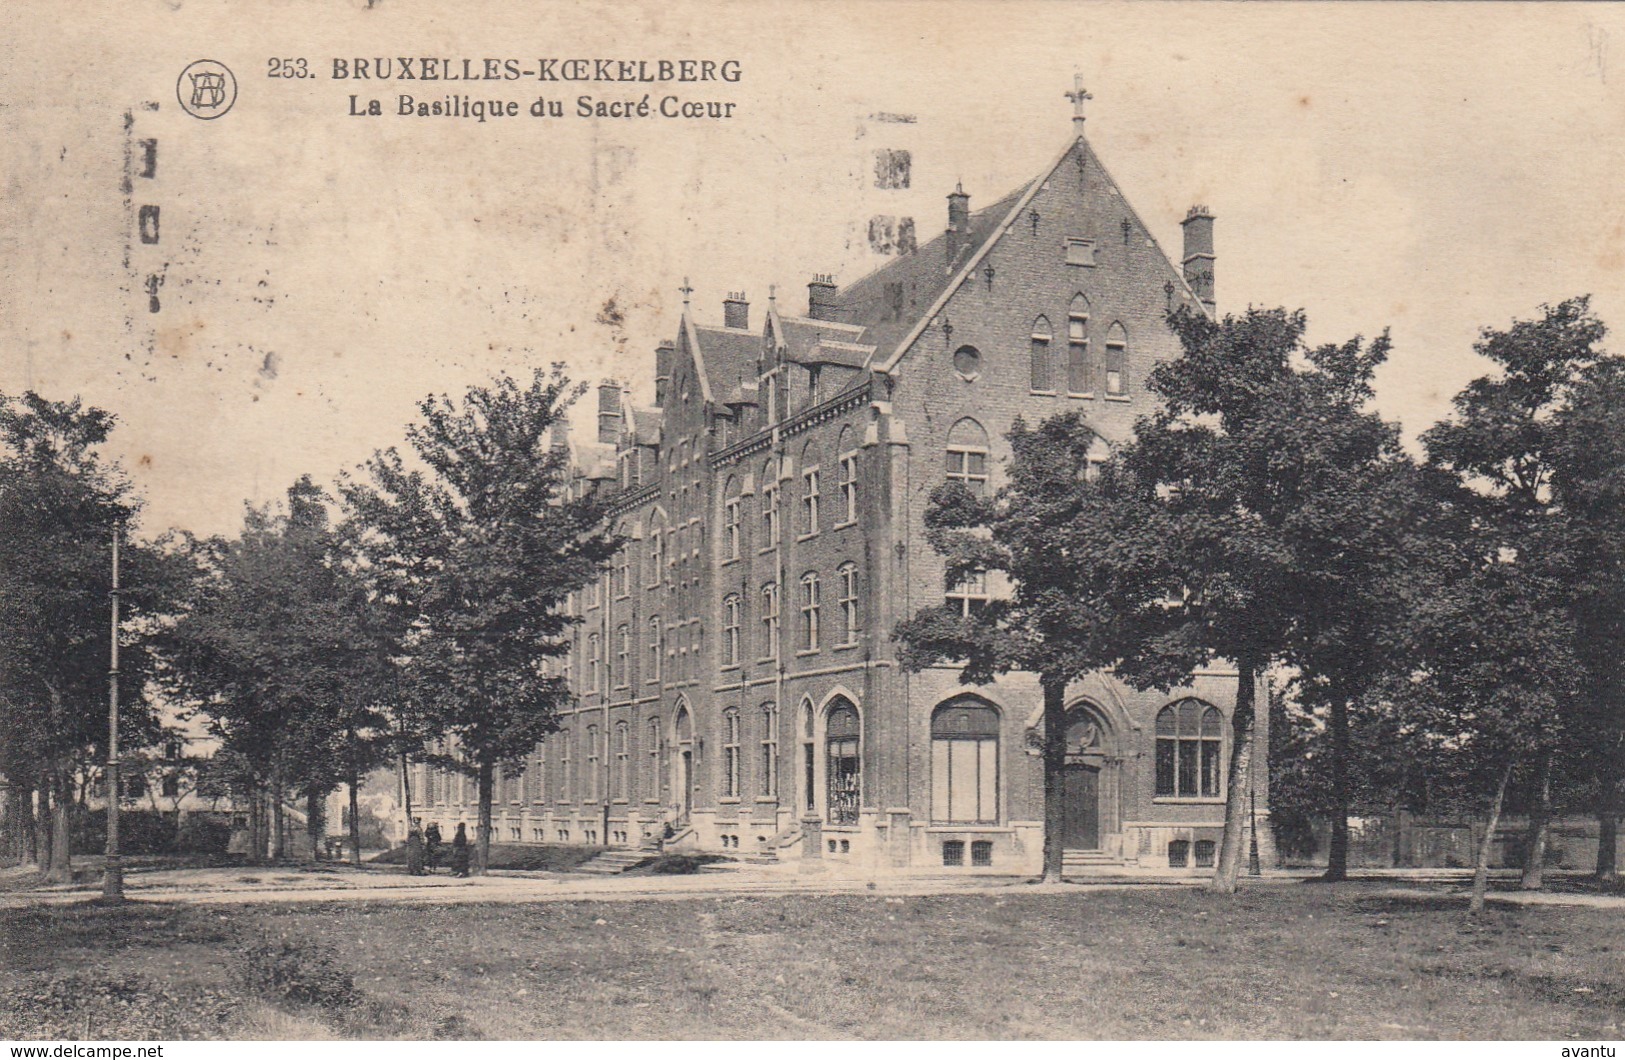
(933, 520)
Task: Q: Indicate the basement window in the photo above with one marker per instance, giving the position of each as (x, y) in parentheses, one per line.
(1179, 853)
(981, 853)
(953, 852)
(1204, 853)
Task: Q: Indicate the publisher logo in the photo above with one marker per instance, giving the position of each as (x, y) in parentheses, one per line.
(206, 89)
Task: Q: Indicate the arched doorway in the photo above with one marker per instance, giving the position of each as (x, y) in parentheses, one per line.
(843, 763)
(1081, 785)
(682, 762)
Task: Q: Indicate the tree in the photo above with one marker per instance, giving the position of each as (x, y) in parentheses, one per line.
(1501, 445)
(1055, 621)
(1262, 467)
(486, 541)
(61, 502)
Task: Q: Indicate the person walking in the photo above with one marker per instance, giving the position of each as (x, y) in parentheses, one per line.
(414, 848)
(459, 852)
(431, 845)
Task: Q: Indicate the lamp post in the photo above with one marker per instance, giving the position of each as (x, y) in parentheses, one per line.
(113, 873)
(1253, 867)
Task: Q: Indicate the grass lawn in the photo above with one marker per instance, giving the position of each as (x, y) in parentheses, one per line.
(1273, 962)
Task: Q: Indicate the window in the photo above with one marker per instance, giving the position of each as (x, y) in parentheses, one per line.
(969, 596)
(770, 505)
(1205, 849)
(770, 750)
(538, 775)
(594, 658)
(849, 603)
(849, 487)
(1080, 251)
(172, 786)
(1188, 745)
(623, 762)
(657, 648)
(808, 765)
(981, 853)
(623, 655)
(652, 749)
(770, 621)
(566, 773)
(965, 763)
(696, 638)
(1116, 355)
(809, 611)
(657, 551)
(842, 766)
(730, 537)
(730, 753)
(623, 573)
(1042, 378)
(953, 853)
(730, 630)
(1077, 347)
(967, 456)
(968, 361)
(809, 501)
(592, 762)
(593, 593)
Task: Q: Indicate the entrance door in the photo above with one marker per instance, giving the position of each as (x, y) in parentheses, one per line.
(686, 799)
(1080, 796)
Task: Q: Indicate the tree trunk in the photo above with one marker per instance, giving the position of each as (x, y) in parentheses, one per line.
(1608, 803)
(406, 791)
(1337, 856)
(1534, 847)
(1481, 872)
(355, 821)
(256, 830)
(1054, 779)
(1239, 786)
(60, 869)
(279, 848)
(315, 824)
(482, 845)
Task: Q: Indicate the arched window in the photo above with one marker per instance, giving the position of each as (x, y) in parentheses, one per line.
(730, 630)
(651, 748)
(730, 753)
(809, 765)
(809, 611)
(770, 503)
(731, 516)
(566, 773)
(623, 569)
(770, 749)
(965, 762)
(657, 648)
(592, 762)
(1189, 740)
(848, 573)
(849, 476)
(623, 762)
(1043, 368)
(1116, 360)
(657, 550)
(967, 456)
(843, 766)
(595, 654)
(770, 620)
(1077, 347)
(809, 490)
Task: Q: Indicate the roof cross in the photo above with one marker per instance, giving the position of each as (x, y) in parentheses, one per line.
(1078, 96)
(685, 290)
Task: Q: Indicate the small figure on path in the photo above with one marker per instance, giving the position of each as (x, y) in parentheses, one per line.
(459, 852)
(414, 848)
(431, 845)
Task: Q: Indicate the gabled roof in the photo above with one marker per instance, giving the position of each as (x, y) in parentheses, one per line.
(723, 359)
(645, 425)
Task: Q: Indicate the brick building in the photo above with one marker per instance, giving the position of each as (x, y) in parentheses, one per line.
(736, 674)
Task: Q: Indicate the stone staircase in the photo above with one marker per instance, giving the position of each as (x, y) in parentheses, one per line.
(768, 852)
(613, 862)
(1078, 862)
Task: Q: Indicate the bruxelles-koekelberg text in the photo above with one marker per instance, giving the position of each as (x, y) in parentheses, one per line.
(405, 68)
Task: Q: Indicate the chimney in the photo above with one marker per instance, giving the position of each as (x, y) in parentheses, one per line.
(735, 310)
(1198, 262)
(609, 412)
(665, 353)
(958, 224)
(821, 297)
(560, 435)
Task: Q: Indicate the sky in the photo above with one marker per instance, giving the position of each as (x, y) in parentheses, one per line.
(1429, 169)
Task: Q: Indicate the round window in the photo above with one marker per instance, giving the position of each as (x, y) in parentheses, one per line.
(967, 361)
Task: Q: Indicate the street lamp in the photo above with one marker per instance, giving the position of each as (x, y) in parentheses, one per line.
(113, 873)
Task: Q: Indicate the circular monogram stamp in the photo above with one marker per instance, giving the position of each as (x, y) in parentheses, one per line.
(206, 89)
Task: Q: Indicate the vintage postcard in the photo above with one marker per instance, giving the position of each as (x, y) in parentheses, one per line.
(877, 520)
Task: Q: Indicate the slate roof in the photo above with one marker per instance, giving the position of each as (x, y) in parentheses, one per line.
(726, 357)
